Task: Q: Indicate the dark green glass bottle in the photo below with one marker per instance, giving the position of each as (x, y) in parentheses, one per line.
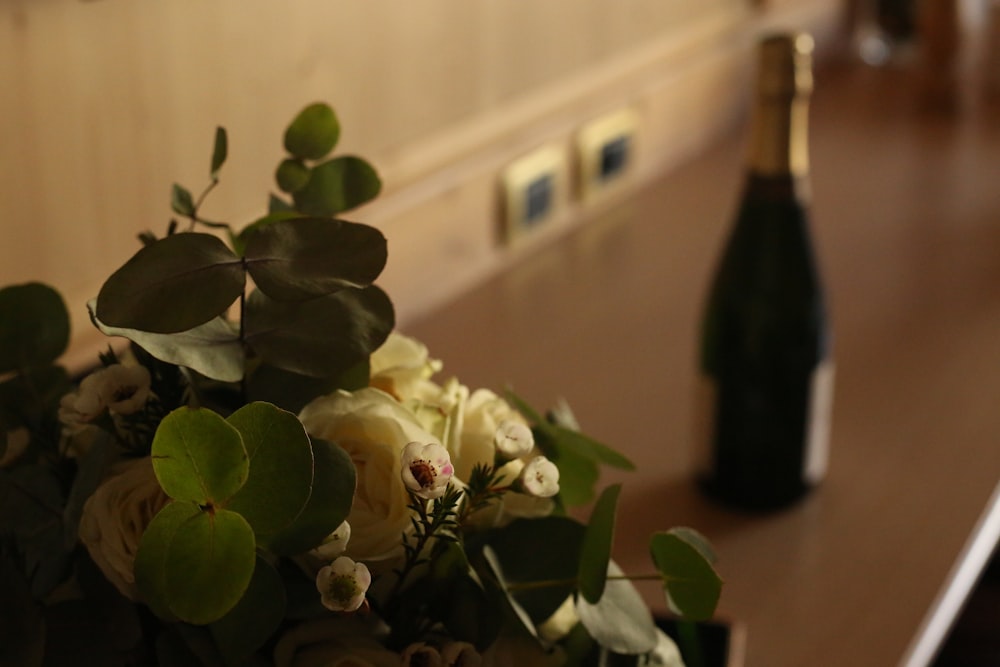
(766, 369)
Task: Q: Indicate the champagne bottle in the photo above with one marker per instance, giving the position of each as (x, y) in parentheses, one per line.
(766, 370)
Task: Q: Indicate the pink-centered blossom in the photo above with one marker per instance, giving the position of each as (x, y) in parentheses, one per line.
(426, 469)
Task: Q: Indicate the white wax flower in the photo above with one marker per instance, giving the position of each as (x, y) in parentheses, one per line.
(461, 654)
(540, 478)
(426, 469)
(343, 584)
(423, 655)
(83, 405)
(124, 389)
(334, 544)
(513, 439)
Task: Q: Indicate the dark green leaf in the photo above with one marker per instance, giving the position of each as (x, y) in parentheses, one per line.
(281, 469)
(291, 175)
(313, 133)
(692, 585)
(293, 260)
(199, 457)
(32, 398)
(173, 285)
(150, 559)
(212, 349)
(287, 390)
(597, 541)
(297, 336)
(219, 151)
(22, 628)
(254, 618)
(334, 480)
(34, 326)
(278, 205)
(338, 185)
(284, 212)
(621, 620)
(208, 565)
(181, 201)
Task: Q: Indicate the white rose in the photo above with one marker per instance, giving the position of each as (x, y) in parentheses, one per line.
(373, 428)
(484, 412)
(399, 364)
(115, 517)
(334, 642)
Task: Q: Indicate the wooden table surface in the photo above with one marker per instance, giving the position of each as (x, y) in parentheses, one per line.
(907, 228)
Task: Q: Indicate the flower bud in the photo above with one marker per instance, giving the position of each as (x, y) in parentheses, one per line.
(540, 478)
(513, 439)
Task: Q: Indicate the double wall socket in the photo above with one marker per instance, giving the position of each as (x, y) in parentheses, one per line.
(536, 187)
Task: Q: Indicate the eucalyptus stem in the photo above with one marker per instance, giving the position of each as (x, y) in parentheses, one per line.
(549, 583)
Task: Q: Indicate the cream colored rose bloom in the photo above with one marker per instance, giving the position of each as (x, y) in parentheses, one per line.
(484, 411)
(333, 642)
(115, 517)
(373, 428)
(399, 364)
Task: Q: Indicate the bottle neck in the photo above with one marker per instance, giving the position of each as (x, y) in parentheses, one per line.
(779, 137)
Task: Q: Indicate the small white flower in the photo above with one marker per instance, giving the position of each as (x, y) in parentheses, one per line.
(422, 655)
(426, 469)
(82, 406)
(513, 439)
(334, 544)
(125, 389)
(540, 478)
(461, 654)
(342, 584)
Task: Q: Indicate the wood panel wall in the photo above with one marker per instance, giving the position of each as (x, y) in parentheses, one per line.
(105, 103)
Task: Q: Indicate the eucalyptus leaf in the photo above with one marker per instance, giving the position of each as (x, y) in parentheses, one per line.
(620, 621)
(208, 565)
(212, 349)
(173, 285)
(199, 457)
(276, 204)
(595, 554)
(34, 326)
(287, 390)
(93, 466)
(296, 259)
(338, 185)
(297, 336)
(181, 201)
(291, 175)
(150, 559)
(280, 480)
(255, 617)
(313, 133)
(692, 585)
(497, 570)
(334, 480)
(220, 150)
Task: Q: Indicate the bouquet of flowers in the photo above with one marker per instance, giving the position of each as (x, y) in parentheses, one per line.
(263, 472)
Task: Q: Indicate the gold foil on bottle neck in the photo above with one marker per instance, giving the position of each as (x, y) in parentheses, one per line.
(785, 65)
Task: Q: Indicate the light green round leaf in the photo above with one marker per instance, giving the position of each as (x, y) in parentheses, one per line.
(338, 185)
(334, 481)
(291, 175)
(620, 621)
(212, 349)
(297, 259)
(313, 133)
(208, 566)
(150, 559)
(172, 285)
(295, 336)
(692, 585)
(281, 469)
(34, 326)
(595, 554)
(254, 618)
(199, 457)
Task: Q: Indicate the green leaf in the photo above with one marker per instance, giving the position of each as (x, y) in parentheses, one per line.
(34, 326)
(291, 175)
(199, 457)
(22, 627)
(255, 617)
(287, 390)
(334, 480)
(296, 336)
(284, 212)
(621, 620)
(93, 466)
(278, 205)
(313, 133)
(578, 475)
(338, 185)
(692, 585)
(181, 201)
(150, 559)
(595, 554)
(173, 285)
(219, 151)
(293, 260)
(208, 566)
(281, 469)
(212, 349)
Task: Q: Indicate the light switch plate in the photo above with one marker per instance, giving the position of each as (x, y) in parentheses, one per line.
(606, 152)
(534, 191)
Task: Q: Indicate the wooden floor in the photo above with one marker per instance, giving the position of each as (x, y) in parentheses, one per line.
(907, 227)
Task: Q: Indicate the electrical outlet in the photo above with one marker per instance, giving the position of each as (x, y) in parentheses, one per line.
(534, 191)
(606, 150)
